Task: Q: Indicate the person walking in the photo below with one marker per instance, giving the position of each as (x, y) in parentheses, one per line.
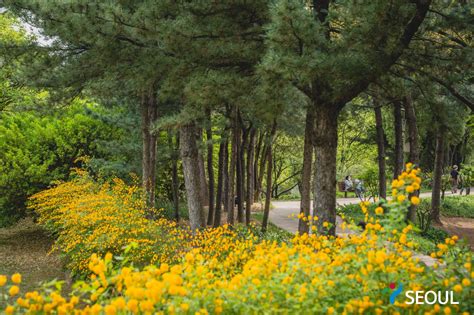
(454, 179)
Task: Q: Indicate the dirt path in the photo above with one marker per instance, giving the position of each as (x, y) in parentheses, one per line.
(462, 227)
(24, 248)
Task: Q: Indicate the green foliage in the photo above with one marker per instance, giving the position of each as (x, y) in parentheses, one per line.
(453, 206)
(39, 150)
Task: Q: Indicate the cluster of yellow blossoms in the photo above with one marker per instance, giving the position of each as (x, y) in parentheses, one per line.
(229, 270)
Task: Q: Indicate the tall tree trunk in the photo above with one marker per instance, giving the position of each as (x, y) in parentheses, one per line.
(225, 179)
(210, 169)
(220, 181)
(192, 181)
(437, 177)
(232, 171)
(250, 176)
(149, 114)
(261, 172)
(239, 177)
(398, 152)
(325, 145)
(174, 174)
(266, 210)
(414, 154)
(380, 149)
(255, 166)
(305, 205)
(202, 170)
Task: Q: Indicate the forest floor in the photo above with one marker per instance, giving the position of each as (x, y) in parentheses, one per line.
(462, 227)
(24, 248)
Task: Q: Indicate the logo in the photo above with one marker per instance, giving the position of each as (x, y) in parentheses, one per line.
(420, 297)
(395, 292)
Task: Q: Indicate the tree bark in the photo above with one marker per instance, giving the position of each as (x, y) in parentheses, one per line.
(325, 145)
(210, 169)
(437, 177)
(261, 172)
(266, 211)
(202, 170)
(255, 166)
(174, 175)
(232, 171)
(380, 149)
(398, 127)
(149, 114)
(305, 205)
(239, 171)
(192, 181)
(250, 176)
(220, 181)
(414, 154)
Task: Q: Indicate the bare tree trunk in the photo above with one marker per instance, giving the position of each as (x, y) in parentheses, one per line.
(437, 174)
(325, 145)
(232, 171)
(149, 114)
(225, 179)
(210, 169)
(255, 166)
(250, 176)
(220, 181)
(174, 174)
(192, 181)
(261, 172)
(305, 205)
(414, 154)
(202, 168)
(398, 124)
(380, 149)
(266, 211)
(239, 166)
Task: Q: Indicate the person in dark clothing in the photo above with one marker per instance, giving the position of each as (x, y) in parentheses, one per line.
(454, 179)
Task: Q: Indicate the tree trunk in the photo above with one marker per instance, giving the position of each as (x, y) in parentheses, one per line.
(210, 170)
(250, 176)
(414, 154)
(239, 171)
(192, 180)
(220, 181)
(255, 166)
(261, 172)
(325, 145)
(202, 170)
(380, 149)
(437, 174)
(232, 171)
(266, 210)
(174, 175)
(149, 115)
(398, 152)
(305, 205)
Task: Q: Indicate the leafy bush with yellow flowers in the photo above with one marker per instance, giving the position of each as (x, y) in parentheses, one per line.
(226, 271)
(91, 218)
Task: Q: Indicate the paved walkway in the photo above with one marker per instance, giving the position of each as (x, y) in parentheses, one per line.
(282, 210)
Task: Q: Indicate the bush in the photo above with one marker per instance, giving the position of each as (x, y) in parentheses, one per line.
(454, 206)
(36, 151)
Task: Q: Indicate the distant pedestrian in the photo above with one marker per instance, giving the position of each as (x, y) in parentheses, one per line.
(359, 188)
(454, 179)
(348, 185)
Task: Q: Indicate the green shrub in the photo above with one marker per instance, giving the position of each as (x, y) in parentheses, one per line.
(38, 150)
(454, 206)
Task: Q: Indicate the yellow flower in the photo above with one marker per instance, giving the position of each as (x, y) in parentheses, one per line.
(3, 280)
(16, 278)
(415, 200)
(14, 290)
(184, 306)
(457, 288)
(466, 282)
(401, 198)
(9, 310)
(447, 310)
(330, 310)
(326, 224)
(379, 210)
(410, 189)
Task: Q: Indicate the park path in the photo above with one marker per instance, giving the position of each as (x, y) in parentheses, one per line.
(282, 210)
(281, 213)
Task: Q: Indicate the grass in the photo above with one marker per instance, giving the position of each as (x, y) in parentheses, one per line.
(24, 248)
(273, 232)
(454, 206)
